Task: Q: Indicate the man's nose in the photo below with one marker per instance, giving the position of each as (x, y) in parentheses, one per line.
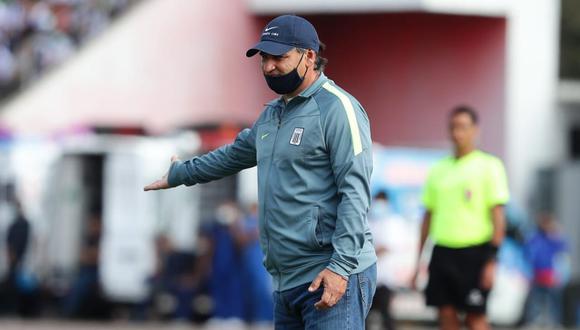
(268, 66)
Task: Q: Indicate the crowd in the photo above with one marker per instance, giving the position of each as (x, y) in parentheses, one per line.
(221, 281)
(38, 35)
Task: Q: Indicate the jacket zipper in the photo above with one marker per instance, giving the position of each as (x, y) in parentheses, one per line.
(267, 187)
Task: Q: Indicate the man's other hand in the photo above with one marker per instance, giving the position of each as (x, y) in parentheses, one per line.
(334, 287)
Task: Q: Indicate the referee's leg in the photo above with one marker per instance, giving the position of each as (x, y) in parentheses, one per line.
(448, 319)
(476, 321)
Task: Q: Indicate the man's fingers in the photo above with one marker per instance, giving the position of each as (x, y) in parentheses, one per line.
(159, 184)
(326, 301)
(152, 186)
(162, 183)
(320, 305)
(334, 287)
(315, 284)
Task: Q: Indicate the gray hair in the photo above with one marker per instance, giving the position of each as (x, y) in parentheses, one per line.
(321, 62)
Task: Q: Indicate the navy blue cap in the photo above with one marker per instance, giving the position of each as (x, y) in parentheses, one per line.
(283, 34)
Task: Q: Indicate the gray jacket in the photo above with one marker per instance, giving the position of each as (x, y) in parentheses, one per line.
(314, 167)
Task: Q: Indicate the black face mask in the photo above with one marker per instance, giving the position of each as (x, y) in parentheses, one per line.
(286, 84)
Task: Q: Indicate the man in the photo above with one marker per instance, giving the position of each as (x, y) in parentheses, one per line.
(12, 297)
(312, 147)
(17, 241)
(464, 197)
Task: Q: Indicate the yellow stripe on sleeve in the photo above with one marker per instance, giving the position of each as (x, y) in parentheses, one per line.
(350, 114)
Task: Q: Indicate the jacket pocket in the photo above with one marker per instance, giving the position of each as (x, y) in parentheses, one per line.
(316, 234)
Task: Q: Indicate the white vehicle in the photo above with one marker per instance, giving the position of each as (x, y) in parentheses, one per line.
(63, 183)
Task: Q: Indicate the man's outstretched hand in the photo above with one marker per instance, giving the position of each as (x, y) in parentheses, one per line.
(161, 183)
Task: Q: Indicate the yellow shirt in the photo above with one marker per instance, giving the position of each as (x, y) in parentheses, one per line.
(460, 194)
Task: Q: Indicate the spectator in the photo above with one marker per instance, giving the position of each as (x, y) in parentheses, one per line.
(225, 282)
(545, 249)
(385, 226)
(17, 241)
(8, 81)
(85, 299)
(256, 282)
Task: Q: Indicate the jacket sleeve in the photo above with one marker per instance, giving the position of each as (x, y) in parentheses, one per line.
(224, 161)
(348, 141)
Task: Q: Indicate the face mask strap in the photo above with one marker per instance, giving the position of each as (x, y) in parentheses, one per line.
(296, 68)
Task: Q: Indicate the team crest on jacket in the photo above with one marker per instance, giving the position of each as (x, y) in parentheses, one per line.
(297, 136)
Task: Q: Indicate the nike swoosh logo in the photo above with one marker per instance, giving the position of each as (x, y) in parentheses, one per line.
(270, 28)
(264, 135)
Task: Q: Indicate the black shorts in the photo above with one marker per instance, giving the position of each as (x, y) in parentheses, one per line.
(455, 278)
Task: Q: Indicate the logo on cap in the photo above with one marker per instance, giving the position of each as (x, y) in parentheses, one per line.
(268, 33)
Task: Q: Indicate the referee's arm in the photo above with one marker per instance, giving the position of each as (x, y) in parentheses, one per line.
(498, 219)
(424, 233)
(488, 272)
(497, 195)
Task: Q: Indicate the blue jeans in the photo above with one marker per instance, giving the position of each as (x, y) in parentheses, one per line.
(294, 308)
(544, 306)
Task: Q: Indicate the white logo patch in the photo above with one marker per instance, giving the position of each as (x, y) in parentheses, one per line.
(297, 136)
(270, 28)
(474, 298)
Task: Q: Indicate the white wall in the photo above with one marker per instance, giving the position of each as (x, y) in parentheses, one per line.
(534, 136)
(481, 7)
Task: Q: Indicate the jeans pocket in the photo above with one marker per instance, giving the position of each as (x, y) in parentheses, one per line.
(363, 284)
(367, 282)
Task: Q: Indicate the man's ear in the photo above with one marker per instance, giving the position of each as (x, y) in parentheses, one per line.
(310, 57)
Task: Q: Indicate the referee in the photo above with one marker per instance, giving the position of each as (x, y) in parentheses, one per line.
(464, 198)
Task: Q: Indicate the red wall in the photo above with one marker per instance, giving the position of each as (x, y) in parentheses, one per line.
(408, 70)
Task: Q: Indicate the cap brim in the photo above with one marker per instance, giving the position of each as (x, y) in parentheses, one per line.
(269, 47)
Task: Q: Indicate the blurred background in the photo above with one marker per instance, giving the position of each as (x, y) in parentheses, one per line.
(96, 95)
